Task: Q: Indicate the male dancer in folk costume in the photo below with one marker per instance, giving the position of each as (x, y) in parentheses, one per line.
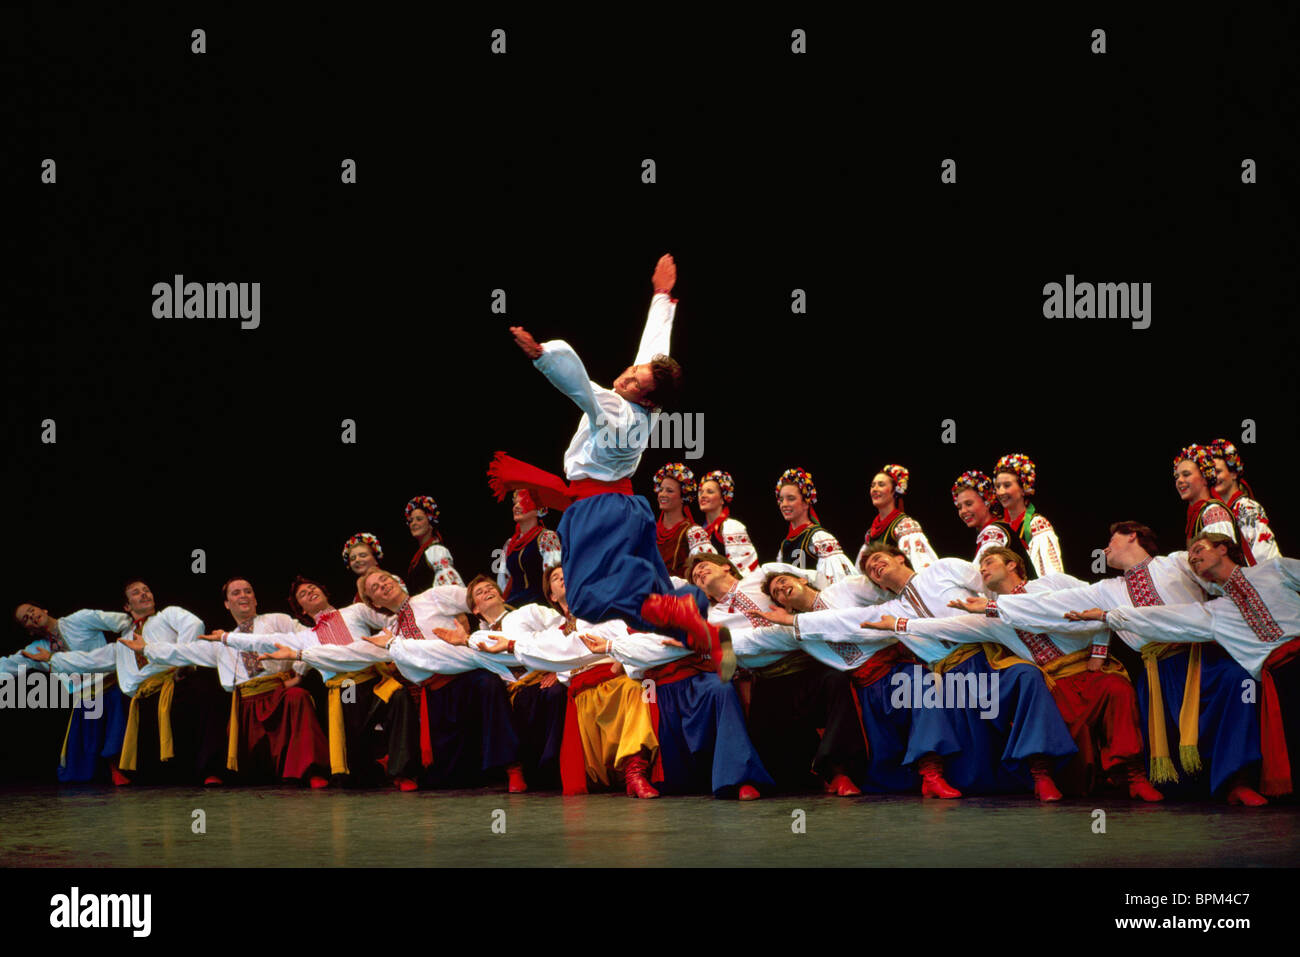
(676, 532)
(1091, 689)
(726, 535)
(983, 753)
(806, 543)
(528, 552)
(609, 728)
(1195, 689)
(94, 733)
(872, 663)
(891, 524)
(1015, 479)
(538, 701)
(1257, 541)
(978, 507)
(462, 729)
(1194, 480)
(273, 729)
(607, 536)
(354, 749)
(431, 564)
(163, 694)
(1257, 621)
(803, 717)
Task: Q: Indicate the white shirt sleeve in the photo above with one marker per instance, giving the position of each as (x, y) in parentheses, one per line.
(187, 625)
(203, 654)
(740, 549)
(98, 660)
(658, 329)
(438, 558)
(913, 543)
(1193, 621)
(1044, 547)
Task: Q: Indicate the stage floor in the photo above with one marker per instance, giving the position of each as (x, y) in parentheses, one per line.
(271, 827)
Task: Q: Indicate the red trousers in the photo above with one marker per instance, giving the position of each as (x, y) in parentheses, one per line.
(281, 735)
(1101, 712)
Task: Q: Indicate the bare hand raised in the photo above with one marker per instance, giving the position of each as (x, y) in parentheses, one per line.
(40, 654)
(525, 341)
(976, 606)
(281, 653)
(217, 635)
(454, 636)
(665, 275)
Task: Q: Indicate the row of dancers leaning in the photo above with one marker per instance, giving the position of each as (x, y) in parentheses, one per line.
(660, 655)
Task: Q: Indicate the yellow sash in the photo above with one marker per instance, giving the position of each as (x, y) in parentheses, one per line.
(532, 678)
(1189, 715)
(337, 729)
(249, 689)
(163, 685)
(1077, 662)
(999, 657)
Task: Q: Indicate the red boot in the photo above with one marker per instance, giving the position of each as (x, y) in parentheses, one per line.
(634, 773)
(319, 782)
(748, 793)
(1138, 785)
(841, 786)
(212, 781)
(1242, 794)
(930, 767)
(679, 611)
(1045, 788)
(119, 779)
(405, 784)
(515, 774)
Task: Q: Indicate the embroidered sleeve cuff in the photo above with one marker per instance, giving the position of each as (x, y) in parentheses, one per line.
(900, 625)
(991, 610)
(1100, 651)
(797, 635)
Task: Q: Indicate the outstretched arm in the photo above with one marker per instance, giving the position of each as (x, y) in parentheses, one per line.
(659, 321)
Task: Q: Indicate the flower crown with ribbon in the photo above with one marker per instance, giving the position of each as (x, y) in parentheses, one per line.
(1199, 456)
(726, 484)
(1022, 467)
(426, 503)
(362, 538)
(678, 471)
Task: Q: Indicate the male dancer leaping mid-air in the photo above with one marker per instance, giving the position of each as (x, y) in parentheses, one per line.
(610, 555)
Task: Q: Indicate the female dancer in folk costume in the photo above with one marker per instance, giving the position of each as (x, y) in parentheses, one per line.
(362, 553)
(431, 564)
(531, 549)
(978, 508)
(1257, 541)
(676, 532)
(806, 543)
(892, 524)
(1194, 481)
(725, 535)
(1015, 479)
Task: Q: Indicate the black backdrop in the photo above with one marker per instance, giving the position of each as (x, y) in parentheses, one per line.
(522, 172)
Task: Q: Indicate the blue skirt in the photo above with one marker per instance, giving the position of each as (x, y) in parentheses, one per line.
(1228, 729)
(703, 743)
